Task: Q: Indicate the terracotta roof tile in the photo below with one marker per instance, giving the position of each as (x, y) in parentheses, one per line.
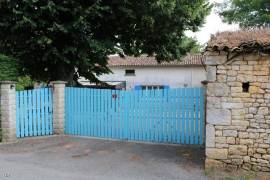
(240, 40)
(189, 60)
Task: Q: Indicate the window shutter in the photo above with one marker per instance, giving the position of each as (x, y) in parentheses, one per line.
(166, 87)
(138, 87)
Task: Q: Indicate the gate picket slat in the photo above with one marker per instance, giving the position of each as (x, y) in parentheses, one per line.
(121, 127)
(26, 115)
(183, 114)
(77, 98)
(18, 115)
(157, 119)
(42, 112)
(188, 116)
(72, 113)
(102, 115)
(87, 113)
(178, 108)
(202, 111)
(50, 111)
(68, 110)
(35, 113)
(21, 117)
(46, 111)
(30, 113)
(126, 104)
(191, 115)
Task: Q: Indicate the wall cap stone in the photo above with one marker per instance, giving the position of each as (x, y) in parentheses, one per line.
(59, 82)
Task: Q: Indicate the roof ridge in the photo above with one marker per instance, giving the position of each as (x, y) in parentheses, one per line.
(191, 59)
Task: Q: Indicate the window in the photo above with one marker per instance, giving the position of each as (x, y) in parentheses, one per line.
(130, 72)
(245, 87)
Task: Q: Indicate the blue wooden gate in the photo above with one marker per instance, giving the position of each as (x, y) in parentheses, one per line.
(34, 110)
(164, 116)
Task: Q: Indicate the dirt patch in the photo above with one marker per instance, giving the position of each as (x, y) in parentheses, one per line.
(85, 153)
(103, 152)
(135, 157)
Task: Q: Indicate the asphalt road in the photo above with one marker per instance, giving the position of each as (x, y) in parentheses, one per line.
(73, 158)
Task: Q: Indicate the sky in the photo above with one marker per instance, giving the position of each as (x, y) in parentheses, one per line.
(212, 25)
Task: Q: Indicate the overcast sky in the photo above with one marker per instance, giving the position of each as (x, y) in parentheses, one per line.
(212, 25)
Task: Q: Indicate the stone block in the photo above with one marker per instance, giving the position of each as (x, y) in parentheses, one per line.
(210, 136)
(248, 142)
(230, 140)
(240, 123)
(211, 73)
(263, 111)
(215, 60)
(266, 156)
(261, 150)
(221, 140)
(243, 135)
(211, 163)
(238, 150)
(213, 102)
(238, 112)
(229, 105)
(246, 159)
(246, 68)
(218, 89)
(230, 133)
(236, 89)
(255, 89)
(214, 153)
(218, 116)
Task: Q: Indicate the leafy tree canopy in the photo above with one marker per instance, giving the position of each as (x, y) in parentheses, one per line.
(248, 13)
(61, 39)
(9, 68)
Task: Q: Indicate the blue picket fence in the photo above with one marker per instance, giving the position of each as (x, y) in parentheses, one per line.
(34, 110)
(164, 116)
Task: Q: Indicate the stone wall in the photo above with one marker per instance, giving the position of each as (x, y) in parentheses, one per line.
(238, 122)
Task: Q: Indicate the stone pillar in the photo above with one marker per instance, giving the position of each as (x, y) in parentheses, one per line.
(58, 106)
(8, 111)
(215, 115)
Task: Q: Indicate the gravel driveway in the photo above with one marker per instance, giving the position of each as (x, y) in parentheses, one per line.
(64, 158)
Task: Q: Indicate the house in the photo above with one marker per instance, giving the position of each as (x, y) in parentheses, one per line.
(146, 73)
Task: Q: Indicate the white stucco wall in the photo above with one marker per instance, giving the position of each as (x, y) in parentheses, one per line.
(173, 76)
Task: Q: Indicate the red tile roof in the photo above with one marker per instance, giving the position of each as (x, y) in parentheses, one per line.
(189, 60)
(242, 40)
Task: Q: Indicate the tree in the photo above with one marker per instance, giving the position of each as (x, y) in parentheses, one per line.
(64, 39)
(9, 68)
(192, 44)
(248, 13)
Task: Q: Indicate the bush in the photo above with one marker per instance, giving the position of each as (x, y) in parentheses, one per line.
(24, 83)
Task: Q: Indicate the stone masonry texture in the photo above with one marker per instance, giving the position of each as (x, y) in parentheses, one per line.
(238, 121)
(8, 111)
(58, 106)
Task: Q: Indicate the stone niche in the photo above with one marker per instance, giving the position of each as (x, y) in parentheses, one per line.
(238, 114)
